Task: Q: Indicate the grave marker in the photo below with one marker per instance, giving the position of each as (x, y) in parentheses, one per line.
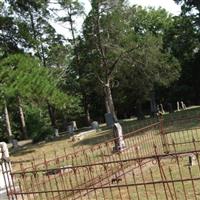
(119, 140)
(109, 120)
(178, 106)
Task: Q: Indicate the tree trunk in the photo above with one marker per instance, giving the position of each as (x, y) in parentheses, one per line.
(87, 112)
(106, 102)
(86, 106)
(109, 101)
(140, 114)
(7, 119)
(153, 104)
(22, 119)
(52, 116)
(88, 116)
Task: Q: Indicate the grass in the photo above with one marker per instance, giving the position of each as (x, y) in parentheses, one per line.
(100, 152)
(64, 144)
(152, 173)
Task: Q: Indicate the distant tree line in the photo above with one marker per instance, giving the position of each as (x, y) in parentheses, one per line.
(125, 61)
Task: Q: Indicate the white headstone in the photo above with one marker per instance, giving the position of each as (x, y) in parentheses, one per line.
(56, 132)
(178, 106)
(162, 109)
(183, 105)
(118, 135)
(74, 125)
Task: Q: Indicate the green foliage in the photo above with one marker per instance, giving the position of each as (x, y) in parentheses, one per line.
(182, 39)
(38, 123)
(130, 53)
(24, 76)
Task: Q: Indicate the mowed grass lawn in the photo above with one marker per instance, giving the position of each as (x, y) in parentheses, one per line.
(64, 145)
(175, 132)
(170, 171)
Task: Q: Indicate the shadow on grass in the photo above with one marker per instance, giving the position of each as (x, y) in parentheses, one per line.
(21, 152)
(31, 147)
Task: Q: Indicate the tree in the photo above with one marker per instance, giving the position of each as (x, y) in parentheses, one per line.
(108, 41)
(121, 40)
(23, 77)
(159, 66)
(189, 4)
(183, 39)
(26, 27)
(73, 9)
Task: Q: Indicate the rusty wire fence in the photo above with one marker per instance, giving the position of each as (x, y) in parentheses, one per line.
(157, 163)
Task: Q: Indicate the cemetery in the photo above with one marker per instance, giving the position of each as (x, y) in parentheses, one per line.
(99, 100)
(155, 160)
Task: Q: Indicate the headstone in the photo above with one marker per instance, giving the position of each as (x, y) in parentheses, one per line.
(70, 129)
(119, 140)
(178, 106)
(74, 125)
(162, 109)
(95, 125)
(5, 177)
(183, 105)
(56, 133)
(14, 143)
(192, 160)
(109, 120)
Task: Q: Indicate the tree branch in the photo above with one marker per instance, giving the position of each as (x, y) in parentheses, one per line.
(118, 59)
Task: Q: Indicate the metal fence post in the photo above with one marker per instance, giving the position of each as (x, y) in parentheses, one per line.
(6, 182)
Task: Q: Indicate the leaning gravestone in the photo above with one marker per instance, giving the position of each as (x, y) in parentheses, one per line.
(119, 140)
(109, 120)
(183, 105)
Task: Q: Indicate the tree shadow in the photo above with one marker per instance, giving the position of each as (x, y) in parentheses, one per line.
(21, 152)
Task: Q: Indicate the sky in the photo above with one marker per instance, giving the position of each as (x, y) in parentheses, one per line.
(169, 5)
